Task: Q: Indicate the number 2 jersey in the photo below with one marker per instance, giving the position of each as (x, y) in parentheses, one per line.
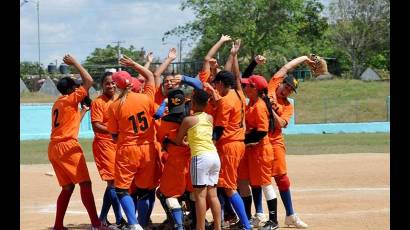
(133, 119)
(65, 122)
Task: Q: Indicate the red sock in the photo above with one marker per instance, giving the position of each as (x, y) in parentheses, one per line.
(62, 203)
(87, 198)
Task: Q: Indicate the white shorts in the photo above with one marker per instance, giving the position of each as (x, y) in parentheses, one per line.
(205, 169)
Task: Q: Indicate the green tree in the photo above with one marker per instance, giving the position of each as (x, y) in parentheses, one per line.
(102, 58)
(276, 29)
(29, 68)
(361, 29)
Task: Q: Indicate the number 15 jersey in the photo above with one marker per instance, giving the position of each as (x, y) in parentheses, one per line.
(65, 121)
(133, 119)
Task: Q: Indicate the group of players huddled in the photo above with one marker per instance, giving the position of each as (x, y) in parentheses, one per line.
(217, 147)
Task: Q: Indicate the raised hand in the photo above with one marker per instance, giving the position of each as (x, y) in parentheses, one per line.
(69, 60)
(172, 53)
(149, 57)
(225, 38)
(235, 46)
(126, 61)
(260, 59)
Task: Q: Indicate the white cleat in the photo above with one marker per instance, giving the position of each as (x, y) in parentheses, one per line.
(258, 220)
(294, 220)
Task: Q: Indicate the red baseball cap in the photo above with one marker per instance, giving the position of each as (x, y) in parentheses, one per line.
(122, 79)
(136, 84)
(258, 81)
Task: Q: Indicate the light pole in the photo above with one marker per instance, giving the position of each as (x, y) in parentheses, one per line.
(180, 53)
(38, 32)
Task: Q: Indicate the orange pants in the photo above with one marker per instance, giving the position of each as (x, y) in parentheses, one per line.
(243, 168)
(67, 159)
(173, 182)
(139, 162)
(260, 161)
(279, 163)
(104, 156)
(230, 154)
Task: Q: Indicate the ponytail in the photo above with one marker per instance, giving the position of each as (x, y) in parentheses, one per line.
(264, 95)
(123, 95)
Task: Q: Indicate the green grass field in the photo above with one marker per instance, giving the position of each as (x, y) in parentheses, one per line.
(35, 152)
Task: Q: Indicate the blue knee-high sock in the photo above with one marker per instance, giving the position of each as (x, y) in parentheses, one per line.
(116, 206)
(127, 205)
(257, 199)
(287, 201)
(178, 216)
(151, 197)
(239, 207)
(143, 207)
(106, 204)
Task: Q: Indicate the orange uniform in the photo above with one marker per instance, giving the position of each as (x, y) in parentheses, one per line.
(158, 97)
(137, 153)
(175, 178)
(230, 114)
(260, 157)
(64, 151)
(104, 147)
(285, 111)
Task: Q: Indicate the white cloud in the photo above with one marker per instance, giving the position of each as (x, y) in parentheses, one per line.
(80, 26)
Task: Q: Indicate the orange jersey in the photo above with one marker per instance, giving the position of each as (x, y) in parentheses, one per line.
(230, 114)
(65, 114)
(257, 116)
(204, 76)
(170, 130)
(158, 97)
(133, 120)
(99, 113)
(285, 110)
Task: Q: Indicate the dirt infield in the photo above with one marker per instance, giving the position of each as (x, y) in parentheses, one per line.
(334, 191)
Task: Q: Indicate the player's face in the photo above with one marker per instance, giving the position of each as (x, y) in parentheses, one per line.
(168, 83)
(109, 86)
(251, 91)
(285, 90)
(219, 86)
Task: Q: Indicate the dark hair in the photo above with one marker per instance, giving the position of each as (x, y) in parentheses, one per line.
(200, 97)
(65, 85)
(264, 95)
(226, 77)
(104, 76)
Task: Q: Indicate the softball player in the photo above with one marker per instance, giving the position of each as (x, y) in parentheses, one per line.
(205, 163)
(132, 126)
(64, 151)
(259, 152)
(229, 134)
(280, 87)
(104, 149)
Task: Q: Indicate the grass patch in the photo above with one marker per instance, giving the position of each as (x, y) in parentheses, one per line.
(35, 152)
(341, 100)
(338, 143)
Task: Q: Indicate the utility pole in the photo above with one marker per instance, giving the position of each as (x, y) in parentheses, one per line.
(38, 37)
(180, 53)
(118, 51)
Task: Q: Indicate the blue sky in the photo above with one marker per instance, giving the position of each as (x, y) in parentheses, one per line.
(80, 26)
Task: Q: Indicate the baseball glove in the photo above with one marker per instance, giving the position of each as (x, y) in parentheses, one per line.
(319, 67)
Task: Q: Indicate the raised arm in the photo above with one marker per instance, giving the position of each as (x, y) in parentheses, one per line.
(146, 73)
(206, 65)
(259, 59)
(292, 64)
(172, 54)
(85, 76)
(148, 59)
(236, 72)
